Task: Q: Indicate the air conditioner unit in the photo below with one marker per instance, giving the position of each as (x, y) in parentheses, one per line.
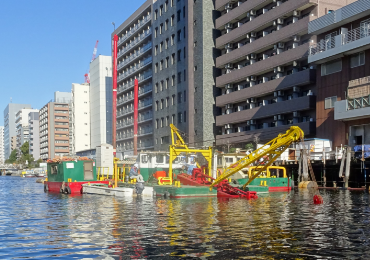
(228, 106)
(297, 38)
(296, 89)
(275, 118)
(229, 66)
(229, 26)
(280, 93)
(248, 79)
(296, 13)
(229, 6)
(253, 122)
(253, 100)
(253, 35)
(229, 46)
(253, 56)
(280, 117)
(252, 12)
(296, 114)
(280, 21)
(228, 86)
(278, 69)
(281, 45)
(253, 78)
(228, 126)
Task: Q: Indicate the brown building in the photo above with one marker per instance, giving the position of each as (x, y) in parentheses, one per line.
(342, 55)
(266, 82)
(55, 127)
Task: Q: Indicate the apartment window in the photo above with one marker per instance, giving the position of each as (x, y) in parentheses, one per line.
(161, 47)
(161, 28)
(329, 102)
(331, 67)
(155, 14)
(184, 75)
(184, 33)
(195, 68)
(178, 15)
(173, 118)
(161, 65)
(162, 122)
(184, 52)
(161, 10)
(166, 44)
(162, 85)
(179, 97)
(156, 88)
(172, 19)
(156, 50)
(179, 118)
(156, 123)
(166, 25)
(184, 95)
(167, 101)
(195, 44)
(166, 65)
(167, 120)
(173, 81)
(172, 3)
(195, 22)
(162, 103)
(167, 82)
(184, 116)
(172, 39)
(183, 11)
(173, 100)
(173, 58)
(179, 35)
(179, 77)
(155, 32)
(156, 68)
(357, 59)
(156, 105)
(179, 55)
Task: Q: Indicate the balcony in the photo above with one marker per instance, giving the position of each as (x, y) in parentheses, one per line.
(147, 75)
(145, 145)
(283, 107)
(125, 99)
(125, 112)
(220, 4)
(296, 79)
(145, 118)
(135, 28)
(336, 46)
(269, 40)
(145, 131)
(135, 42)
(135, 69)
(134, 56)
(262, 21)
(264, 65)
(125, 136)
(354, 109)
(145, 104)
(309, 129)
(127, 123)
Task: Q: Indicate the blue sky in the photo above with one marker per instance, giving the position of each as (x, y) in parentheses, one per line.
(46, 45)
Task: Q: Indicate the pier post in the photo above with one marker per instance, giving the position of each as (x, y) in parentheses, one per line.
(348, 165)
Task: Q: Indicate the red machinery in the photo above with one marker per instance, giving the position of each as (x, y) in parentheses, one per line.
(224, 189)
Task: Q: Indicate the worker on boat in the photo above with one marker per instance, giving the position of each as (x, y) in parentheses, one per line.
(135, 174)
(191, 165)
(134, 171)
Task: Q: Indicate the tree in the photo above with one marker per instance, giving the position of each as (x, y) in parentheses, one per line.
(12, 157)
(25, 154)
(249, 146)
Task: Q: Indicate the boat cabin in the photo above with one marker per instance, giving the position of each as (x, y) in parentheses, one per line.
(72, 171)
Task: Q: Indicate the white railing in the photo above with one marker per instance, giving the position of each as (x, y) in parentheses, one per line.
(145, 144)
(355, 34)
(145, 103)
(147, 74)
(321, 46)
(125, 112)
(145, 131)
(134, 42)
(145, 117)
(135, 55)
(136, 68)
(135, 28)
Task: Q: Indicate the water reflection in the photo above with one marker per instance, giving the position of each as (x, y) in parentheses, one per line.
(275, 226)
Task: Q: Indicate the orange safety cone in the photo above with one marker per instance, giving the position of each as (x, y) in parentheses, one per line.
(317, 199)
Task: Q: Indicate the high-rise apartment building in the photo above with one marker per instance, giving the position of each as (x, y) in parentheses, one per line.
(101, 101)
(134, 61)
(34, 134)
(10, 130)
(341, 52)
(2, 157)
(80, 117)
(183, 71)
(266, 81)
(23, 131)
(55, 127)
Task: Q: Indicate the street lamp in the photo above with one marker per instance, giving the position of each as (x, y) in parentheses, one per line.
(114, 25)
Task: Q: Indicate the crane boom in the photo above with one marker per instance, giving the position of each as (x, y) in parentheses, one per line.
(268, 153)
(95, 51)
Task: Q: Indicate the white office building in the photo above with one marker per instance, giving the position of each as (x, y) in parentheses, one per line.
(81, 133)
(22, 127)
(101, 101)
(2, 156)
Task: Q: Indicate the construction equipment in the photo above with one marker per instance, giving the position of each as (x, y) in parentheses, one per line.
(87, 75)
(264, 156)
(179, 146)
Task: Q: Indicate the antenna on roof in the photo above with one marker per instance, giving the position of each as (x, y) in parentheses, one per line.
(11, 99)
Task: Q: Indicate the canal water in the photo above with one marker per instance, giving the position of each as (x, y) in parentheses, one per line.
(38, 225)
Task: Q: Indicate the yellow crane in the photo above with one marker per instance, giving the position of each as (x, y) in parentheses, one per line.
(264, 156)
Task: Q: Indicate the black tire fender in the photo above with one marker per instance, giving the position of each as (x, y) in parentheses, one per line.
(67, 190)
(46, 188)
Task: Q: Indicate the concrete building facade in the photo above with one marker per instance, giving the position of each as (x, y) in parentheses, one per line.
(80, 105)
(134, 61)
(2, 157)
(55, 127)
(101, 100)
(10, 130)
(341, 52)
(34, 134)
(266, 83)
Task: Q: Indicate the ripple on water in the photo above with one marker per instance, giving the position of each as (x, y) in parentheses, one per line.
(37, 225)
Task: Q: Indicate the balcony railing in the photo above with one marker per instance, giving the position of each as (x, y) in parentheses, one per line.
(339, 40)
(145, 103)
(141, 37)
(125, 136)
(145, 131)
(145, 144)
(135, 55)
(125, 112)
(147, 74)
(145, 117)
(135, 28)
(134, 69)
(125, 99)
